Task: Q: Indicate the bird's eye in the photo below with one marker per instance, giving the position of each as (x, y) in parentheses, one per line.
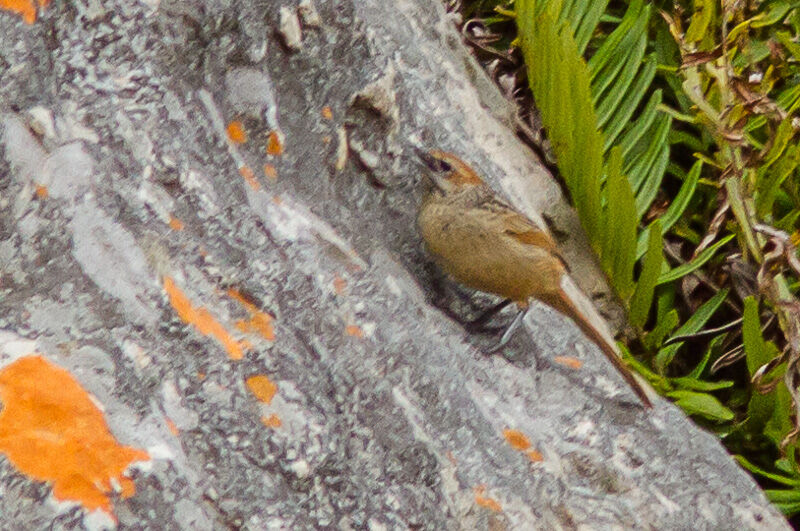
(444, 166)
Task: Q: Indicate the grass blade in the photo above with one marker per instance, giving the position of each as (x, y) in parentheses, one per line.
(651, 269)
(689, 267)
(694, 324)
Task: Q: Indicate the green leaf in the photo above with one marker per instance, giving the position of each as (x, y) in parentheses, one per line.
(775, 13)
(779, 425)
(630, 63)
(788, 222)
(700, 317)
(664, 326)
(756, 350)
(702, 404)
(651, 183)
(694, 324)
(588, 23)
(771, 178)
(784, 464)
(693, 384)
(778, 478)
(610, 48)
(619, 249)
(702, 258)
(639, 130)
(567, 13)
(704, 13)
(781, 139)
(765, 413)
(788, 510)
(689, 140)
(624, 112)
(560, 83)
(700, 367)
(681, 201)
(576, 100)
(661, 384)
(783, 496)
(785, 38)
(646, 285)
(676, 208)
(786, 100)
(752, 52)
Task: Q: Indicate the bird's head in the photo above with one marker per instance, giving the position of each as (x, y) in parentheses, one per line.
(448, 173)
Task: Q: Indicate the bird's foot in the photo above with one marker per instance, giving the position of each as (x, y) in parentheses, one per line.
(509, 333)
(479, 324)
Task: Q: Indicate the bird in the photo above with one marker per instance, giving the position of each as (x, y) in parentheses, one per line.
(484, 243)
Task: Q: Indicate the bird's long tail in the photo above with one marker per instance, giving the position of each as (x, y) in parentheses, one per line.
(564, 305)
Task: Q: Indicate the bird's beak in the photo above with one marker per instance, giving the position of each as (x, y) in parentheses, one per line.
(426, 158)
(430, 169)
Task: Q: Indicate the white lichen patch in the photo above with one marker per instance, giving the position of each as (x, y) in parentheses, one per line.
(289, 28)
(309, 14)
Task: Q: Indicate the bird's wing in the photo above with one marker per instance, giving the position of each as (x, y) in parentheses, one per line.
(522, 229)
(515, 224)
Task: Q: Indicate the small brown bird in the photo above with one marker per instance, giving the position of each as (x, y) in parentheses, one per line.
(486, 244)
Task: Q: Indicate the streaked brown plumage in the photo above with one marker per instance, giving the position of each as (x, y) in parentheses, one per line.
(486, 244)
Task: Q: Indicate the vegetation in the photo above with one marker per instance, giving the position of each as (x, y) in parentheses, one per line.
(674, 127)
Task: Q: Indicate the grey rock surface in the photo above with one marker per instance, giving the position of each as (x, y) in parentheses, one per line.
(391, 416)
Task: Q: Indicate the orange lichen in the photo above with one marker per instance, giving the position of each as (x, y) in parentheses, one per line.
(277, 200)
(327, 113)
(262, 387)
(517, 439)
(485, 501)
(275, 143)
(202, 320)
(249, 177)
(175, 223)
(201, 376)
(259, 322)
(326, 139)
(173, 429)
(270, 171)
(451, 458)
(339, 285)
(52, 430)
(535, 456)
(353, 265)
(354, 331)
(25, 8)
(236, 132)
(273, 421)
(569, 361)
(41, 192)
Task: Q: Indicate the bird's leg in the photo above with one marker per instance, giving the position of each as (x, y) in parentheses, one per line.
(440, 300)
(510, 330)
(479, 323)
